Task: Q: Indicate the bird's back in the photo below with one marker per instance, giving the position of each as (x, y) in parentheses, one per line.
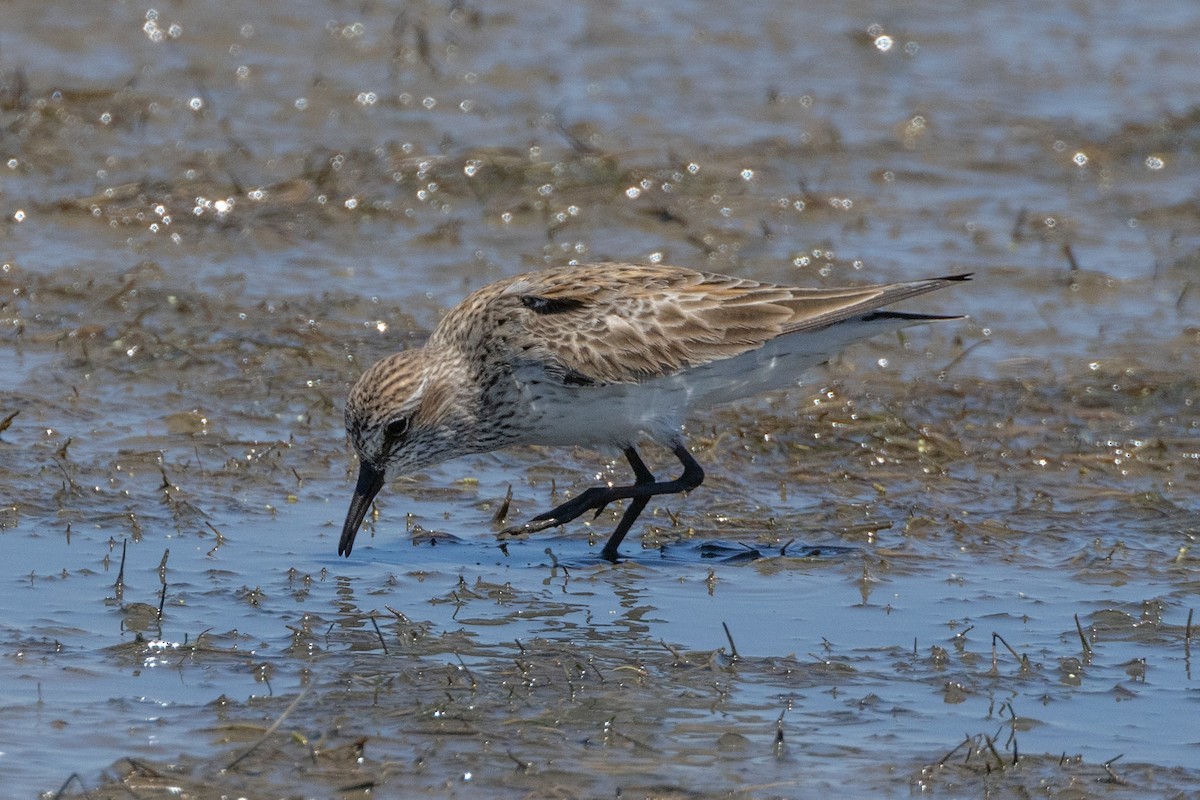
(621, 323)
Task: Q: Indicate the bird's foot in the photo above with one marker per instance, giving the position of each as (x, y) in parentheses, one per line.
(594, 499)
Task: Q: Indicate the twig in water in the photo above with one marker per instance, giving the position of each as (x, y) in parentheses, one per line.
(70, 481)
(162, 578)
(1070, 254)
(379, 633)
(783, 550)
(732, 647)
(991, 743)
(596, 670)
(1113, 776)
(1018, 225)
(955, 361)
(554, 562)
(502, 512)
(74, 776)
(945, 758)
(466, 669)
(1187, 645)
(678, 656)
(119, 586)
(1087, 646)
(1015, 654)
(220, 538)
(274, 727)
(135, 527)
(1012, 734)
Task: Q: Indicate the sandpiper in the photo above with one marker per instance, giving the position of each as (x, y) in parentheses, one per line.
(599, 355)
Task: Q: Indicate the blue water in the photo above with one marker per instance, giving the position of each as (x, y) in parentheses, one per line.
(983, 139)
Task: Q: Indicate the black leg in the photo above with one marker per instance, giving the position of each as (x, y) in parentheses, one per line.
(636, 505)
(598, 497)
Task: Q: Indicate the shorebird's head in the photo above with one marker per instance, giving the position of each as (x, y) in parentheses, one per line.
(401, 416)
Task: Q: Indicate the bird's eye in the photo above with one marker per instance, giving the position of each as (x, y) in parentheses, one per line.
(397, 428)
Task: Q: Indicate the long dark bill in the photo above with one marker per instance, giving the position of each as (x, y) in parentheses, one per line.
(370, 481)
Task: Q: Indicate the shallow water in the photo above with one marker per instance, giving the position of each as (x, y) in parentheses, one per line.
(209, 230)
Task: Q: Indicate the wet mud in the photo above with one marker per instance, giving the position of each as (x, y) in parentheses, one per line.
(957, 562)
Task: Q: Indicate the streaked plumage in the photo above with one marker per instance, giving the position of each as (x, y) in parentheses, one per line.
(598, 355)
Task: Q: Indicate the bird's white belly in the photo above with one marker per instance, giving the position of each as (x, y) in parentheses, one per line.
(617, 414)
(620, 413)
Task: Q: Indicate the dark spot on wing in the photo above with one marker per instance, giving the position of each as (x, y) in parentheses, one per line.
(551, 305)
(573, 378)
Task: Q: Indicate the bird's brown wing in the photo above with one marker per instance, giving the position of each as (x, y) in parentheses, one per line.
(621, 323)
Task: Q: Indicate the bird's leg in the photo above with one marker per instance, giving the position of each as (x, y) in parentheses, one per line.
(644, 476)
(598, 497)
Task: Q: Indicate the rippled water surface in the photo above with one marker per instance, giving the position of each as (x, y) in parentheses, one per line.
(958, 563)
